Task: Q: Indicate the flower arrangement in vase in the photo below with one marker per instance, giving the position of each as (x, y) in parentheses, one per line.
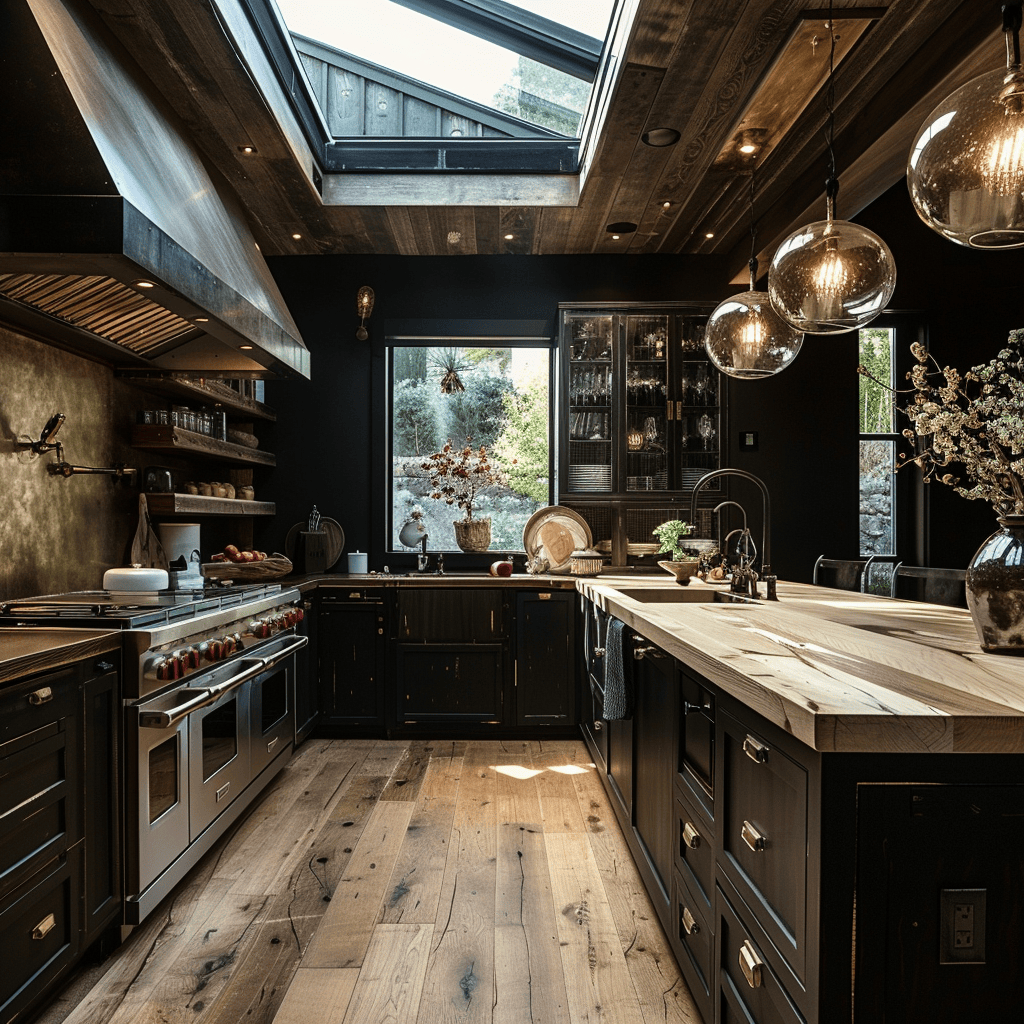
(968, 433)
(457, 477)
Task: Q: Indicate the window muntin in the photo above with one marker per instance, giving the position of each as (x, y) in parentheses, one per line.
(451, 60)
(505, 406)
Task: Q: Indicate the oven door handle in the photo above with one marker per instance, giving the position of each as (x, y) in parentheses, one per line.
(254, 667)
(271, 660)
(167, 719)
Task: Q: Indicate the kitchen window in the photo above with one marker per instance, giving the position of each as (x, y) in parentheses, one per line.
(492, 391)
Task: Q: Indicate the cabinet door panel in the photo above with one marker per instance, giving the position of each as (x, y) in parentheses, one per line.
(436, 616)
(455, 684)
(545, 658)
(620, 763)
(351, 690)
(656, 692)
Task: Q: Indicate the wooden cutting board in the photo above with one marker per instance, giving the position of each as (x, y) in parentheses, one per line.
(558, 542)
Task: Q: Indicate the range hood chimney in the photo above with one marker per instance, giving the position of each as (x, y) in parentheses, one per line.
(116, 239)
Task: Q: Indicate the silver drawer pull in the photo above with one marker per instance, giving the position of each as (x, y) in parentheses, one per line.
(691, 837)
(223, 791)
(750, 964)
(690, 922)
(598, 652)
(40, 696)
(44, 927)
(755, 750)
(272, 744)
(753, 838)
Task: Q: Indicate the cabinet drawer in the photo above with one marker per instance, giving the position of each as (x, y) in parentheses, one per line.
(763, 825)
(35, 805)
(694, 942)
(695, 851)
(749, 989)
(437, 616)
(37, 933)
(42, 702)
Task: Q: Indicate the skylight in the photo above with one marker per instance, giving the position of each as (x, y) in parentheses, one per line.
(524, 67)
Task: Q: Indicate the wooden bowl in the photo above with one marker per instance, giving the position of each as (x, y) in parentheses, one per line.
(681, 570)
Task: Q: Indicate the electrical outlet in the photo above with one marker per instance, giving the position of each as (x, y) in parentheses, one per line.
(962, 926)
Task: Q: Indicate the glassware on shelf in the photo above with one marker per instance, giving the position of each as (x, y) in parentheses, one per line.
(706, 429)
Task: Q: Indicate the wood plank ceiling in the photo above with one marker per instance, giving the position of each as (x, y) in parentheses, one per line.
(695, 66)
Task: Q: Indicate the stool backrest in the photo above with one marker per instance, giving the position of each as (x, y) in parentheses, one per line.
(936, 586)
(838, 573)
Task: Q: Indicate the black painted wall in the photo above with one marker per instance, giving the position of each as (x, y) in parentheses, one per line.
(806, 418)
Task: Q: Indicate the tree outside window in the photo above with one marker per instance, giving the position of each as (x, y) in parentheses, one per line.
(471, 395)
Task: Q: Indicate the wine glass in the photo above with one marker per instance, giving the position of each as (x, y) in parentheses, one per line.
(705, 429)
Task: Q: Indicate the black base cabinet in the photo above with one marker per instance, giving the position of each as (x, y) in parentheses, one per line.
(447, 660)
(351, 634)
(784, 877)
(60, 839)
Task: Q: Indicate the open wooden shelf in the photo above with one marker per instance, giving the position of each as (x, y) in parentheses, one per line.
(206, 392)
(162, 437)
(161, 504)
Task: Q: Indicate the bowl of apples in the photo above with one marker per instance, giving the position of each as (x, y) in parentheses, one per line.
(234, 563)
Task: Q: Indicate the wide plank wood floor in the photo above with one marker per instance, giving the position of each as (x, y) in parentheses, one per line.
(408, 882)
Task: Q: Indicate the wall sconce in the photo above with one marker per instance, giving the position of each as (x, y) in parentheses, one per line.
(364, 307)
(966, 167)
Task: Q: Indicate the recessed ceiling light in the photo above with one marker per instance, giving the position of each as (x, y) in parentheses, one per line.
(616, 237)
(245, 348)
(509, 238)
(201, 319)
(247, 150)
(660, 137)
(709, 234)
(296, 236)
(665, 205)
(144, 284)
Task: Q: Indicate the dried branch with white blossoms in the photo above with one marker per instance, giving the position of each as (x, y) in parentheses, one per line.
(974, 420)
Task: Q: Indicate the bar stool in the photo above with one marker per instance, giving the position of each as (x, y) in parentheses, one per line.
(878, 575)
(936, 586)
(838, 573)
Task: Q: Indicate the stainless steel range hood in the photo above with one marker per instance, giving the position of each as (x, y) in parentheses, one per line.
(116, 240)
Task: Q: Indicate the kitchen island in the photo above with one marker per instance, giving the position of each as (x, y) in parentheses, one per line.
(823, 795)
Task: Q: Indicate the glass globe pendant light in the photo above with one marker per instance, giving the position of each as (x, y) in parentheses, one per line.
(744, 337)
(831, 276)
(966, 168)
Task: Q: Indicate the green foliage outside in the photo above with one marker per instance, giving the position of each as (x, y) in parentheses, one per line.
(524, 440)
(876, 404)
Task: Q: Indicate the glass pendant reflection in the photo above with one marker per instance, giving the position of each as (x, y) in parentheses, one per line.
(831, 276)
(747, 339)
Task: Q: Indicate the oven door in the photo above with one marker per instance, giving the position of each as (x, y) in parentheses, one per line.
(272, 706)
(157, 801)
(218, 755)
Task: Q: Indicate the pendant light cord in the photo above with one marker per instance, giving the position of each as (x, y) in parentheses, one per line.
(752, 262)
(832, 182)
(1011, 29)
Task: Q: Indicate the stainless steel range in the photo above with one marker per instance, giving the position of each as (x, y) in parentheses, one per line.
(209, 713)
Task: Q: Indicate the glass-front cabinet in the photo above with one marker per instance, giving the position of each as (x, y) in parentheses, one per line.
(641, 415)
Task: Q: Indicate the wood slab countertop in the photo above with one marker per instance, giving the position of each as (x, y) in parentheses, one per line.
(841, 671)
(519, 580)
(24, 650)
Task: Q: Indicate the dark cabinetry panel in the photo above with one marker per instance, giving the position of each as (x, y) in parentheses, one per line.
(450, 614)
(940, 877)
(307, 673)
(102, 784)
(545, 653)
(656, 695)
(350, 645)
(60, 842)
(455, 684)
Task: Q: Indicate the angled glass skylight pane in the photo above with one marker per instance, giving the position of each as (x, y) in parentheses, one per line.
(432, 53)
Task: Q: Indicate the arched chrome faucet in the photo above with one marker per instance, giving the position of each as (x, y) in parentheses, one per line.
(766, 506)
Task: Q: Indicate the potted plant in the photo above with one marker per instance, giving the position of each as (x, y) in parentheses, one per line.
(457, 476)
(670, 536)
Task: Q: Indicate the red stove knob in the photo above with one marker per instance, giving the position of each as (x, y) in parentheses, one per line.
(214, 650)
(228, 646)
(191, 659)
(299, 614)
(261, 628)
